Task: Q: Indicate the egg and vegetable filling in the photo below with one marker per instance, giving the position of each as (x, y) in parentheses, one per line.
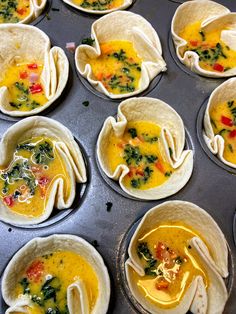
(169, 263)
(13, 11)
(141, 150)
(223, 121)
(25, 185)
(214, 54)
(99, 5)
(24, 86)
(118, 67)
(46, 279)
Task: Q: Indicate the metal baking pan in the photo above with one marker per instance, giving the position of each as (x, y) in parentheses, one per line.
(101, 213)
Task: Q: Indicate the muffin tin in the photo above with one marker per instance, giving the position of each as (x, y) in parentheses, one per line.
(101, 214)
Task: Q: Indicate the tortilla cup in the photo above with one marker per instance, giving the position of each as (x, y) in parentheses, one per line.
(66, 147)
(213, 253)
(216, 143)
(76, 293)
(129, 27)
(213, 16)
(125, 5)
(172, 135)
(28, 43)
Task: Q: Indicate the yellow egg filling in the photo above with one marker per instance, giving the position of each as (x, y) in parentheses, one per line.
(24, 86)
(118, 67)
(46, 279)
(223, 121)
(26, 183)
(141, 150)
(99, 5)
(169, 263)
(14, 11)
(214, 54)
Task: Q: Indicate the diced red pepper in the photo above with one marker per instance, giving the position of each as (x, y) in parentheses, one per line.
(226, 121)
(163, 284)
(218, 67)
(43, 181)
(159, 166)
(194, 43)
(8, 200)
(232, 134)
(32, 66)
(36, 88)
(35, 271)
(21, 11)
(140, 172)
(23, 75)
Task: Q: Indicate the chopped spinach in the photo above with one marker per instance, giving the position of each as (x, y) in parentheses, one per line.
(230, 103)
(85, 103)
(144, 252)
(135, 183)
(149, 139)
(203, 35)
(96, 4)
(121, 55)
(179, 260)
(230, 148)
(37, 299)
(132, 155)
(50, 288)
(25, 146)
(151, 158)
(25, 285)
(147, 174)
(43, 153)
(88, 41)
(53, 311)
(133, 132)
(22, 88)
(168, 173)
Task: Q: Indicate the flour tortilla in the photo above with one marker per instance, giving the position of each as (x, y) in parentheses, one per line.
(172, 135)
(66, 147)
(27, 43)
(125, 26)
(76, 293)
(216, 143)
(125, 5)
(213, 16)
(197, 298)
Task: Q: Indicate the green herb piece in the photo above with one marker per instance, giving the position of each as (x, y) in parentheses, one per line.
(37, 299)
(230, 148)
(109, 206)
(147, 174)
(230, 103)
(85, 103)
(43, 153)
(132, 132)
(121, 55)
(22, 87)
(54, 311)
(135, 183)
(203, 35)
(50, 288)
(95, 243)
(48, 17)
(179, 260)
(168, 174)
(149, 139)
(151, 158)
(223, 131)
(132, 155)
(88, 41)
(25, 285)
(144, 252)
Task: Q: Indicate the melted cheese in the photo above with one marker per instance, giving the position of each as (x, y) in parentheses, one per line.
(226, 57)
(99, 5)
(14, 11)
(66, 267)
(175, 236)
(32, 180)
(23, 95)
(223, 121)
(148, 146)
(118, 67)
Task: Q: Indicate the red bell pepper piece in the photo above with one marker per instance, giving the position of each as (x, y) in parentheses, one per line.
(226, 121)
(194, 43)
(23, 75)
(21, 11)
(36, 88)
(232, 134)
(8, 200)
(218, 67)
(32, 66)
(35, 271)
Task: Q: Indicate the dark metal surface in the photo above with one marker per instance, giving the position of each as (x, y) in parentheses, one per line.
(211, 186)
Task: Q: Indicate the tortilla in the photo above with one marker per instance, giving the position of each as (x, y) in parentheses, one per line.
(172, 137)
(76, 292)
(66, 148)
(213, 17)
(212, 251)
(216, 143)
(126, 26)
(126, 4)
(25, 43)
